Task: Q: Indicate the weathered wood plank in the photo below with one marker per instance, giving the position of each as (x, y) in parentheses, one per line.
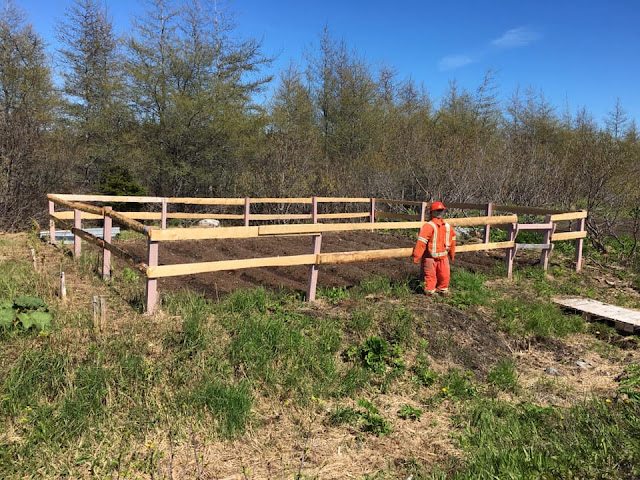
(625, 318)
(363, 255)
(135, 262)
(305, 200)
(343, 200)
(193, 268)
(569, 216)
(206, 201)
(557, 237)
(197, 233)
(344, 215)
(478, 247)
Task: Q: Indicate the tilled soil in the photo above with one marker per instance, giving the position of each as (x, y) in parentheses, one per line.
(293, 278)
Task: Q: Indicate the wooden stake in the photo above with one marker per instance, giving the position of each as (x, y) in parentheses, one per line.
(77, 241)
(151, 298)
(34, 260)
(423, 211)
(96, 314)
(487, 228)
(372, 210)
(106, 253)
(580, 224)
(52, 223)
(313, 269)
(63, 287)
(247, 210)
(511, 252)
(103, 313)
(163, 217)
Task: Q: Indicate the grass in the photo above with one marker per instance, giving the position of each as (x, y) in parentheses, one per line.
(254, 369)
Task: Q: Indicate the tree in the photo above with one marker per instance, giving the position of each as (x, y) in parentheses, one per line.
(26, 107)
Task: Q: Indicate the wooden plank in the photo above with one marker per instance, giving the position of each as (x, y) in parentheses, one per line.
(83, 207)
(304, 200)
(466, 206)
(525, 210)
(134, 261)
(624, 318)
(128, 222)
(569, 216)
(557, 237)
(344, 215)
(198, 233)
(400, 216)
(343, 200)
(535, 226)
(108, 198)
(192, 268)
(68, 215)
(478, 247)
(398, 202)
(363, 256)
(280, 216)
(206, 201)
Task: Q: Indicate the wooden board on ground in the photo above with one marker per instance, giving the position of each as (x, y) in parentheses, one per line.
(624, 319)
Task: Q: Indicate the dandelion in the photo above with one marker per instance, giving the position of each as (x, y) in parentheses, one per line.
(597, 332)
(517, 309)
(444, 389)
(150, 445)
(608, 400)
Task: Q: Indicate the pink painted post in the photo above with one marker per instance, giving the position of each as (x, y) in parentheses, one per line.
(546, 253)
(580, 224)
(77, 241)
(372, 210)
(313, 269)
(511, 252)
(247, 206)
(52, 223)
(314, 210)
(163, 215)
(106, 236)
(487, 228)
(151, 299)
(423, 211)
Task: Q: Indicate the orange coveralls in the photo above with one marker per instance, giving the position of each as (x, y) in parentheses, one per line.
(436, 243)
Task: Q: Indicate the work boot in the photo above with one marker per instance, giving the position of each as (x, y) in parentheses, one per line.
(444, 292)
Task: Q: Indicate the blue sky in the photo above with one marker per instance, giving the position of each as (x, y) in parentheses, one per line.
(584, 53)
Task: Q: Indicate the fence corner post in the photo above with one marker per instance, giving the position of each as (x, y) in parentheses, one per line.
(511, 252)
(580, 227)
(151, 297)
(52, 223)
(106, 236)
(487, 228)
(423, 211)
(247, 207)
(77, 241)
(372, 210)
(313, 269)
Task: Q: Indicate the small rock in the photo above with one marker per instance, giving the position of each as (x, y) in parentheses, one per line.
(583, 364)
(552, 371)
(209, 222)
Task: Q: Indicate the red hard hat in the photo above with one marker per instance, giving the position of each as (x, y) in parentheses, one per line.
(437, 206)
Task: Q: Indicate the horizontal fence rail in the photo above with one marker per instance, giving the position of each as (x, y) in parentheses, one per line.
(79, 210)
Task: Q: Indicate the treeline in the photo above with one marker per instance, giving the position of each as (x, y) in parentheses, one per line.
(171, 110)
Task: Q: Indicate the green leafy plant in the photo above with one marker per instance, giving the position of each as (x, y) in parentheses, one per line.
(504, 377)
(457, 385)
(26, 311)
(371, 420)
(375, 354)
(334, 295)
(407, 412)
(630, 382)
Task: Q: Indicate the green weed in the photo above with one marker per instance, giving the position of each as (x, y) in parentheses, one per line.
(367, 418)
(630, 383)
(333, 295)
(519, 317)
(457, 385)
(467, 289)
(382, 285)
(360, 321)
(503, 376)
(407, 412)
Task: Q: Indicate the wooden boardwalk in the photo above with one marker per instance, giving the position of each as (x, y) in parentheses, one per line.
(624, 319)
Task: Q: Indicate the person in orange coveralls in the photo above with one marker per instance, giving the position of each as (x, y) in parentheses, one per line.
(436, 244)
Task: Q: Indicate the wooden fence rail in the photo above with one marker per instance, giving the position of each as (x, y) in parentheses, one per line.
(80, 210)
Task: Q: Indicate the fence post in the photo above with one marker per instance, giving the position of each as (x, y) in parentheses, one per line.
(163, 215)
(546, 253)
(313, 269)
(487, 228)
(77, 241)
(511, 252)
(247, 206)
(314, 210)
(372, 210)
(151, 298)
(52, 223)
(580, 224)
(423, 211)
(106, 236)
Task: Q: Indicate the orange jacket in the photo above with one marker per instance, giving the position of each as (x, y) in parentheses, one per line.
(436, 239)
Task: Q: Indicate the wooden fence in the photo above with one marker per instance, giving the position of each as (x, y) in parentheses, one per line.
(78, 210)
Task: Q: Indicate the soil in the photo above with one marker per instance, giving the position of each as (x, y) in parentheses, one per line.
(214, 284)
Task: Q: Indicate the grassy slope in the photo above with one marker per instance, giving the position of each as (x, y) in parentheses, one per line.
(372, 382)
